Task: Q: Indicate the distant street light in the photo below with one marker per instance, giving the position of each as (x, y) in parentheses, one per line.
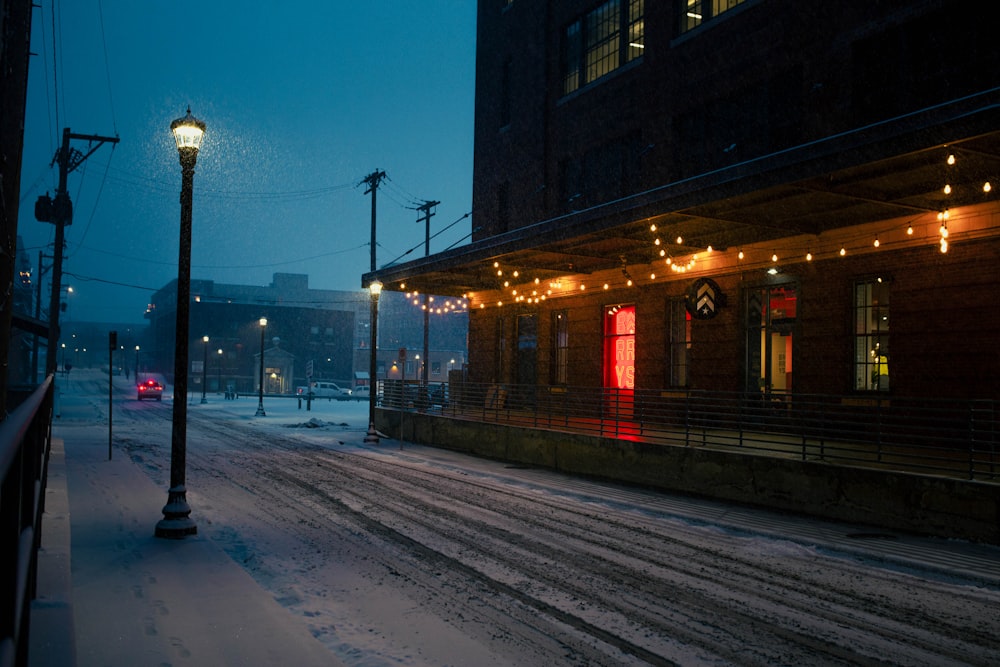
(260, 399)
(375, 288)
(219, 370)
(137, 364)
(204, 371)
(176, 522)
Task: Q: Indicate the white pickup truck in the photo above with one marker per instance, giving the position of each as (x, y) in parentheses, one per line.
(325, 389)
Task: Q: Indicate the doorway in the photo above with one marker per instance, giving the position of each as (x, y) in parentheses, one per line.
(771, 313)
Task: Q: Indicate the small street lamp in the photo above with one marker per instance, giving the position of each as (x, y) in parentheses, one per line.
(137, 364)
(260, 398)
(219, 371)
(204, 371)
(375, 288)
(176, 522)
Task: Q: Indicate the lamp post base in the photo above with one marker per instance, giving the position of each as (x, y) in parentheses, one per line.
(371, 438)
(204, 400)
(176, 522)
(260, 411)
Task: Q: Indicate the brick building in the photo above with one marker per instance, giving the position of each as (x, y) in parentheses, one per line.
(761, 196)
(329, 328)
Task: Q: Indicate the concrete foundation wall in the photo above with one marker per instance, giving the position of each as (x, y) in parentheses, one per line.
(906, 502)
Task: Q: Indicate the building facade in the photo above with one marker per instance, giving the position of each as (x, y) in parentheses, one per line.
(763, 196)
(326, 332)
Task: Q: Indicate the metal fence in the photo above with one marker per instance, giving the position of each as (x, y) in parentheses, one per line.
(956, 438)
(25, 437)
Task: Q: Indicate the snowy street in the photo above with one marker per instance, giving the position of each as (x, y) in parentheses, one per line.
(399, 554)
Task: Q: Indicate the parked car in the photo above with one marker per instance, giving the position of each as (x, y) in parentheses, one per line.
(325, 389)
(149, 389)
(361, 392)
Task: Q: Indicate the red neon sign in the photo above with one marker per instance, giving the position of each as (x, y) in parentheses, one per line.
(619, 348)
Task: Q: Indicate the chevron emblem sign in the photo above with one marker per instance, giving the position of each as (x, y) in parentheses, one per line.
(704, 298)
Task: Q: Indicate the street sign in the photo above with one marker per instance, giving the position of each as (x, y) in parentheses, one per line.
(402, 353)
(309, 368)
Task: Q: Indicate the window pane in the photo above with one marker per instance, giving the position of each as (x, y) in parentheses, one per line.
(871, 336)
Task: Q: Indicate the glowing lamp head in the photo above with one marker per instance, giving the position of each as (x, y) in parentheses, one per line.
(188, 132)
(263, 322)
(375, 287)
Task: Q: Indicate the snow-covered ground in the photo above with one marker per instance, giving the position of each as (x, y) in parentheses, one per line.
(397, 554)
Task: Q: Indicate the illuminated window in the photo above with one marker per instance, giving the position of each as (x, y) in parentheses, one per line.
(695, 12)
(619, 347)
(560, 347)
(871, 335)
(601, 41)
(678, 342)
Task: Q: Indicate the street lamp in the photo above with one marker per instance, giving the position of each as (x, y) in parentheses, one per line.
(375, 288)
(219, 371)
(176, 522)
(137, 364)
(204, 371)
(260, 399)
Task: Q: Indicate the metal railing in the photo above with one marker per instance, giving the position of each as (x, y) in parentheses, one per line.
(956, 438)
(25, 438)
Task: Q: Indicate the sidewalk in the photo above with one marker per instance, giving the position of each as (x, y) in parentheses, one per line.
(112, 594)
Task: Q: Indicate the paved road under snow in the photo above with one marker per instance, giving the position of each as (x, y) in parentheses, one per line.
(417, 556)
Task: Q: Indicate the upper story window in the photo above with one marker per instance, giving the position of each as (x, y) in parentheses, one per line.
(601, 41)
(695, 12)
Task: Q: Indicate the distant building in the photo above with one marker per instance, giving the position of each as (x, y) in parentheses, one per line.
(327, 330)
(764, 196)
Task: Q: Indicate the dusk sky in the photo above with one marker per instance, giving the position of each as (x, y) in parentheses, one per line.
(301, 102)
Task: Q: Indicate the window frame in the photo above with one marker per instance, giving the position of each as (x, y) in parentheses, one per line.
(871, 308)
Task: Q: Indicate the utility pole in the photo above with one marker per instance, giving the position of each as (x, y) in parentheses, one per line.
(38, 313)
(59, 211)
(373, 180)
(425, 208)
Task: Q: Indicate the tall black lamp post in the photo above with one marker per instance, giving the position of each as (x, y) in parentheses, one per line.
(204, 370)
(176, 522)
(137, 364)
(375, 288)
(260, 398)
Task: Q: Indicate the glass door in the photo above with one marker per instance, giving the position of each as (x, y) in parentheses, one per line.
(770, 331)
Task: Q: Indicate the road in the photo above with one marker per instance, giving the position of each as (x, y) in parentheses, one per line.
(410, 555)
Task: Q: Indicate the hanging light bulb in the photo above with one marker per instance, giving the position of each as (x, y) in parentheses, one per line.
(909, 230)
(774, 257)
(876, 244)
(843, 251)
(680, 240)
(944, 245)
(740, 254)
(809, 257)
(951, 158)
(947, 189)
(652, 227)
(943, 230)
(987, 187)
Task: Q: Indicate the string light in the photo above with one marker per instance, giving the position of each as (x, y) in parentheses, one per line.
(843, 251)
(876, 243)
(809, 256)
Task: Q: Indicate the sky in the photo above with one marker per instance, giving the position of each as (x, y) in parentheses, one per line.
(300, 105)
